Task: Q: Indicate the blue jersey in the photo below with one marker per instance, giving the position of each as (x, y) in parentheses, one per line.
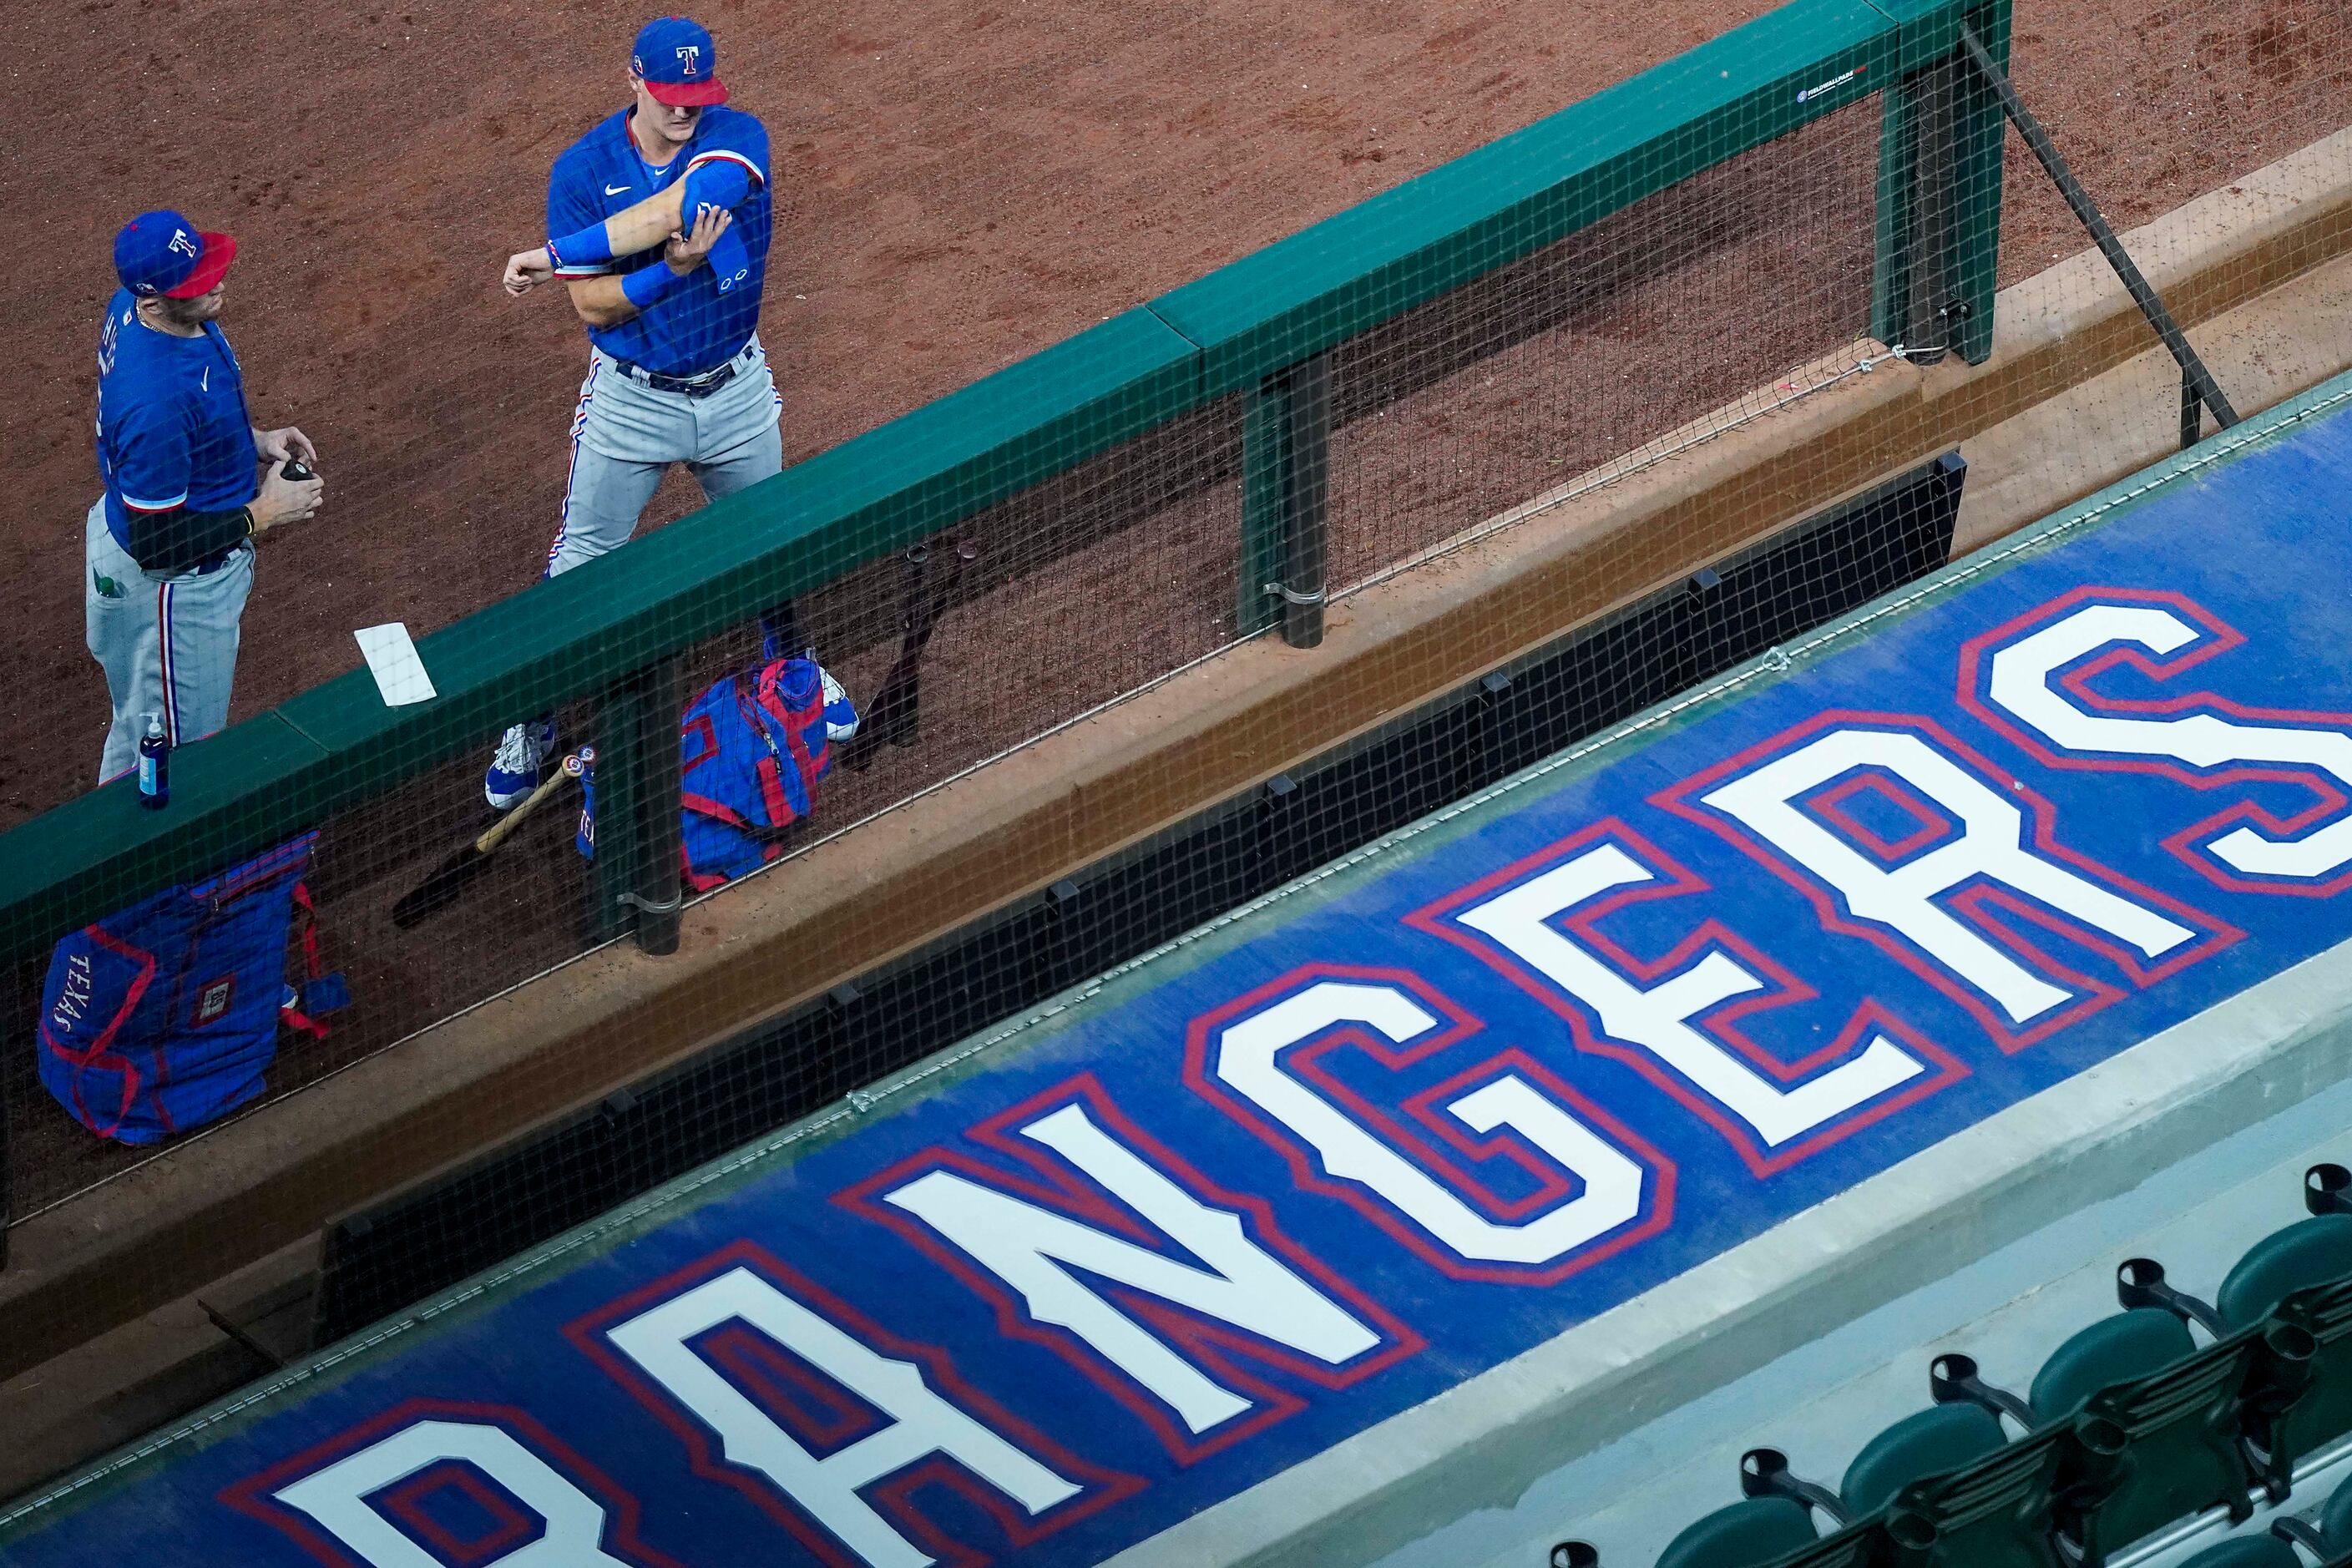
(172, 424)
(696, 328)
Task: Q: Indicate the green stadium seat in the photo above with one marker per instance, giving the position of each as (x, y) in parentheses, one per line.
(1999, 1511)
(2335, 1519)
(2300, 1280)
(2111, 1350)
(2247, 1552)
(2315, 1251)
(1936, 1440)
(2159, 1447)
(1749, 1534)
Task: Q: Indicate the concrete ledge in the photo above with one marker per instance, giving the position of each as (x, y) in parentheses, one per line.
(267, 1182)
(1483, 1443)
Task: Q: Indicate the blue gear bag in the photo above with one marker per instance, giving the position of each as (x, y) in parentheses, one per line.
(753, 747)
(165, 1016)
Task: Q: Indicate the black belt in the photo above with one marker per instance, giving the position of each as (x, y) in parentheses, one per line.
(699, 385)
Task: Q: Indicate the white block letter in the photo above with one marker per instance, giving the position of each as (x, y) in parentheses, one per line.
(2021, 683)
(337, 1496)
(1248, 1058)
(921, 1422)
(1026, 1246)
(1658, 1019)
(1903, 898)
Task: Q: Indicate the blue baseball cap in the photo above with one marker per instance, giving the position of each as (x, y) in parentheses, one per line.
(678, 62)
(163, 253)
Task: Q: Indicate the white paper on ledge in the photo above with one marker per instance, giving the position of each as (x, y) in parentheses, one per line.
(392, 658)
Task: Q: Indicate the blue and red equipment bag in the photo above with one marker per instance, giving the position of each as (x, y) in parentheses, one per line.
(753, 747)
(165, 1016)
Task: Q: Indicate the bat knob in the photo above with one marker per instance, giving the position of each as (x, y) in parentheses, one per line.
(295, 469)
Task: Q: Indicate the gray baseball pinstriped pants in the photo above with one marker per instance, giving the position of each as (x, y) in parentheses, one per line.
(625, 434)
(168, 644)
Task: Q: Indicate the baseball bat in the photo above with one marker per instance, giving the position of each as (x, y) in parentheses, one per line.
(453, 875)
(912, 633)
(896, 710)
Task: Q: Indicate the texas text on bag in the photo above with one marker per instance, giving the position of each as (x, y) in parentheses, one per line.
(753, 748)
(164, 1015)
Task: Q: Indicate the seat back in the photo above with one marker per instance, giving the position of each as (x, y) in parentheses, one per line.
(1748, 1534)
(2000, 1512)
(2112, 1350)
(2320, 1411)
(1931, 1442)
(2175, 1451)
(2315, 1251)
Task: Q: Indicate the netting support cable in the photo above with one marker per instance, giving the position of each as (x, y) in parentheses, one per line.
(639, 791)
(2197, 381)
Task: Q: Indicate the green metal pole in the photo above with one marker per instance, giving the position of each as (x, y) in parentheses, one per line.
(1265, 488)
(638, 790)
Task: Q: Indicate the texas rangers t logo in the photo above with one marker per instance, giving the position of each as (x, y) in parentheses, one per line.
(687, 55)
(182, 243)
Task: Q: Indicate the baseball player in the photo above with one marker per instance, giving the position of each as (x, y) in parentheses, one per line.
(658, 223)
(169, 546)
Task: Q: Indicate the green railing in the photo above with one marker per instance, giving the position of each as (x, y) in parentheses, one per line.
(1255, 328)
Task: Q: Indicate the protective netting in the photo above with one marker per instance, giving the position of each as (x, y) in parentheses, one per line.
(991, 583)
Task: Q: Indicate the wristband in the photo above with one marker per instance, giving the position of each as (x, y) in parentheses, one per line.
(647, 285)
(591, 247)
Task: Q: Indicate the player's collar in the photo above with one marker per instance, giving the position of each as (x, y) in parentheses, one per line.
(637, 149)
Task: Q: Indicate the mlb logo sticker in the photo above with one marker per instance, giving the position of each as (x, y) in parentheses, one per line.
(214, 1000)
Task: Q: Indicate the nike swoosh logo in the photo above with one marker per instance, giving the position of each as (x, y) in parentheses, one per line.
(614, 189)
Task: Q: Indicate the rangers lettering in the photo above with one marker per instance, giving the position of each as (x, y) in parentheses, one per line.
(1903, 898)
(660, 1341)
(2021, 685)
(339, 1497)
(1659, 1019)
(1247, 1056)
(1037, 1251)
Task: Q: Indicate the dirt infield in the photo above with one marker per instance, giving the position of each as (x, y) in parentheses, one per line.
(959, 185)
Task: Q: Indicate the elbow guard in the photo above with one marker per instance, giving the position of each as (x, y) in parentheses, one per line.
(720, 183)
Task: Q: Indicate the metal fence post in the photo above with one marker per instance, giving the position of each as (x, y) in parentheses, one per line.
(7, 1172)
(1941, 139)
(1286, 502)
(1979, 137)
(1307, 516)
(1891, 251)
(637, 803)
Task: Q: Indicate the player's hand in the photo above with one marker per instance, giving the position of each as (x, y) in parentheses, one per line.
(285, 500)
(689, 248)
(527, 269)
(276, 446)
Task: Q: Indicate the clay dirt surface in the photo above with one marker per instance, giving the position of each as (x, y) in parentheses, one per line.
(958, 183)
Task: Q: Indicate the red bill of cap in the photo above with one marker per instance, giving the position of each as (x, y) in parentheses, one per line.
(687, 94)
(212, 266)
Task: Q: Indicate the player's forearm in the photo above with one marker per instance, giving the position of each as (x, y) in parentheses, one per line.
(645, 226)
(600, 299)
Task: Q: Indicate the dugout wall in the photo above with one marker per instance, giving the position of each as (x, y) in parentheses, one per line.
(1176, 444)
